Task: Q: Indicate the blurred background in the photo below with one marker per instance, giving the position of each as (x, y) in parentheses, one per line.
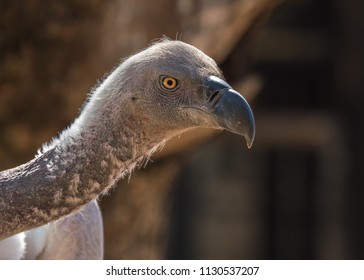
(297, 194)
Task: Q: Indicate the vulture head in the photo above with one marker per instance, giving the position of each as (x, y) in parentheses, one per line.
(167, 89)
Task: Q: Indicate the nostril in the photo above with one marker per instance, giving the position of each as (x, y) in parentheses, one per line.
(215, 97)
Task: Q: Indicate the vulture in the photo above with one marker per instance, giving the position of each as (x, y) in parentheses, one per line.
(48, 206)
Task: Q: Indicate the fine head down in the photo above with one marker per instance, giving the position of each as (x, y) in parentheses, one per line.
(171, 87)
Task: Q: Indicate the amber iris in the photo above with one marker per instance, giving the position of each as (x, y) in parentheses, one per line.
(169, 83)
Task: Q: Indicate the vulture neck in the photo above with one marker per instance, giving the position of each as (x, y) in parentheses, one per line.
(84, 162)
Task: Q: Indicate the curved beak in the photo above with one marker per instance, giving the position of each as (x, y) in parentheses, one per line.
(231, 111)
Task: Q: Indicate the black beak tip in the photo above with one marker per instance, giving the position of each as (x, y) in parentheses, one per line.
(249, 137)
(238, 116)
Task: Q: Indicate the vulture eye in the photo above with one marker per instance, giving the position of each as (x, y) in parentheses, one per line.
(169, 83)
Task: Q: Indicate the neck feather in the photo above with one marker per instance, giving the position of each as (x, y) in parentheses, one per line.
(76, 168)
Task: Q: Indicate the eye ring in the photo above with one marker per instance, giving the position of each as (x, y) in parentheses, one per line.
(169, 83)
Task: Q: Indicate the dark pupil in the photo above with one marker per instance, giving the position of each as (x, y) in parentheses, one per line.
(170, 82)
